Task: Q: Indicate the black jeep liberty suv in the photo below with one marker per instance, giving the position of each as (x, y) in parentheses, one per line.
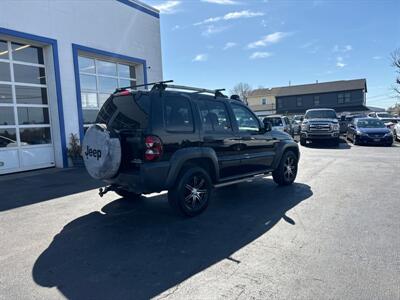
(184, 140)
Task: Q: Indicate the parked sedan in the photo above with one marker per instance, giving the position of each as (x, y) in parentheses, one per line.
(369, 131)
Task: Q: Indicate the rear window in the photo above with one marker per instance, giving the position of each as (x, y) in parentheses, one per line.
(275, 121)
(126, 112)
(178, 114)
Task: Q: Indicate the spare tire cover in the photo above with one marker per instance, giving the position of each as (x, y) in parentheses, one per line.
(101, 152)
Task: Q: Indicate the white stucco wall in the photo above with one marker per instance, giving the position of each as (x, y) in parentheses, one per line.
(106, 25)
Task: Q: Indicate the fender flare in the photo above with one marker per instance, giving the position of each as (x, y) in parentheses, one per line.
(180, 157)
(281, 149)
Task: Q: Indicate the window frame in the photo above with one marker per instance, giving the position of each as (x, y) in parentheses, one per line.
(188, 100)
(251, 113)
(299, 100)
(15, 105)
(315, 99)
(99, 93)
(229, 119)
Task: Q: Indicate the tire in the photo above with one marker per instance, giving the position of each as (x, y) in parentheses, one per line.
(282, 175)
(303, 141)
(395, 135)
(191, 193)
(355, 142)
(127, 194)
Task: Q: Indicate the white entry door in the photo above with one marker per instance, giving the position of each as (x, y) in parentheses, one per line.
(25, 125)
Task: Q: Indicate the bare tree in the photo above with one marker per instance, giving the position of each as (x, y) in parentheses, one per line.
(395, 55)
(243, 90)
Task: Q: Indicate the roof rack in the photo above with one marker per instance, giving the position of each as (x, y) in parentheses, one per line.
(163, 87)
(140, 85)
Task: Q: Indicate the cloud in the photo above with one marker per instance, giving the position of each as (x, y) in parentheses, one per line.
(211, 29)
(256, 55)
(168, 7)
(311, 47)
(343, 49)
(339, 62)
(244, 14)
(176, 27)
(377, 57)
(268, 39)
(200, 57)
(229, 45)
(222, 2)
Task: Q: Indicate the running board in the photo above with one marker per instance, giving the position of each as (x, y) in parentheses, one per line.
(247, 179)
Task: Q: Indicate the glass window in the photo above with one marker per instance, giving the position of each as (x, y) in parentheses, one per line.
(31, 95)
(126, 71)
(86, 65)
(5, 74)
(107, 84)
(89, 100)
(347, 97)
(178, 114)
(90, 115)
(106, 68)
(316, 100)
(340, 98)
(126, 82)
(35, 136)
(27, 53)
(214, 116)
(275, 121)
(8, 138)
(88, 82)
(3, 50)
(33, 115)
(299, 101)
(7, 116)
(29, 74)
(103, 98)
(280, 103)
(264, 101)
(5, 93)
(245, 119)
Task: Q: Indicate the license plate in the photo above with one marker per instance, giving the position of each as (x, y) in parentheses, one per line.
(377, 140)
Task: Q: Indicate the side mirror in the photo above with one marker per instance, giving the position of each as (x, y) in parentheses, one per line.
(302, 119)
(267, 125)
(342, 118)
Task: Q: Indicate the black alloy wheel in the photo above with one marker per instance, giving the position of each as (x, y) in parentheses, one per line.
(286, 172)
(191, 195)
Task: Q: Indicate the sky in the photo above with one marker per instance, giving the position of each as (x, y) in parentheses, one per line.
(269, 43)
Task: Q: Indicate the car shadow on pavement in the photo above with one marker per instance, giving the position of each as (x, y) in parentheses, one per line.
(138, 250)
(44, 186)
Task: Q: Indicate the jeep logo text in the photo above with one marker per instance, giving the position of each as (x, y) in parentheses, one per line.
(92, 153)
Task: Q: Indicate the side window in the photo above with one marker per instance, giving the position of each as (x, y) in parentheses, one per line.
(214, 116)
(178, 114)
(246, 121)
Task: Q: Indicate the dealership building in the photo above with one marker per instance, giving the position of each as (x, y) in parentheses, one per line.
(59, 61)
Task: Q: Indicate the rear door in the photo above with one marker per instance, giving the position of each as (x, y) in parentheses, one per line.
(217, 133)
(257, 147)
(128, 115)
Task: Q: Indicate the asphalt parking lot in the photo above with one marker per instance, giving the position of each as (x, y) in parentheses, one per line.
(334, 234)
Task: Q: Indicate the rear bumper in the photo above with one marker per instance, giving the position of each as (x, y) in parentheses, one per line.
(320, 136)
(374, 141)
(148, 178)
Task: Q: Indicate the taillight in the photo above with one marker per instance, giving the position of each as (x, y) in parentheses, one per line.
(123, 93)
(154, 148)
